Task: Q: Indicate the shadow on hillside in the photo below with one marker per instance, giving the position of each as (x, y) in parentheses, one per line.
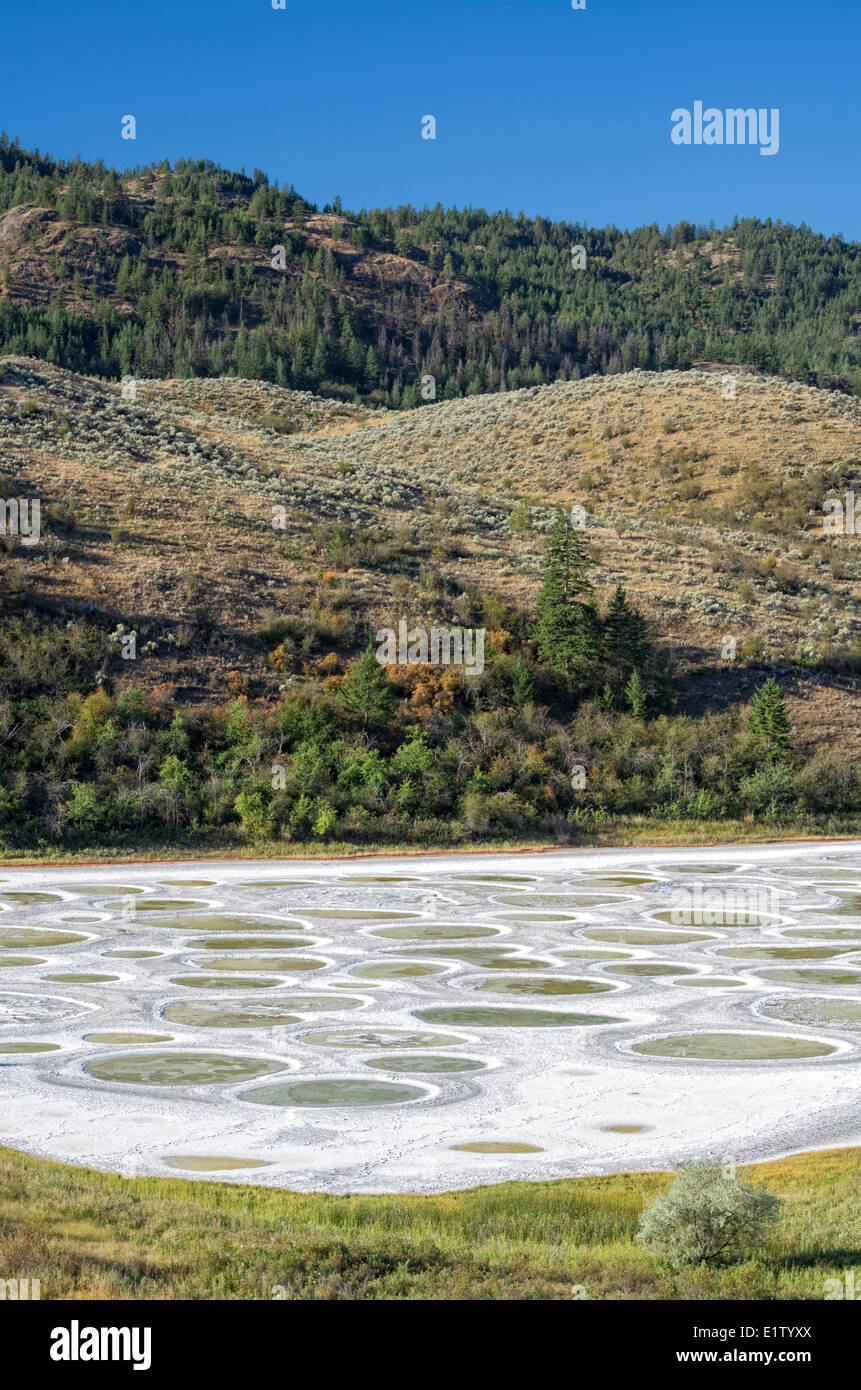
(724, 686)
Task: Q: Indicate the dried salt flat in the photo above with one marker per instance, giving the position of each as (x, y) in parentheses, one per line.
(497, 1033)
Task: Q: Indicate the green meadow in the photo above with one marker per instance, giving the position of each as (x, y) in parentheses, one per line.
(89, 1235)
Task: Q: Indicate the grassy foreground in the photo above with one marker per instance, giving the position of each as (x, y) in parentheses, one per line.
(624, 832)
(87, 1235)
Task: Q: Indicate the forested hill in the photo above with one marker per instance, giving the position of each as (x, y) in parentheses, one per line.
(169, 272)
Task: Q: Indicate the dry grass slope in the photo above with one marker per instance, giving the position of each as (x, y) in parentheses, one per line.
(159, 513)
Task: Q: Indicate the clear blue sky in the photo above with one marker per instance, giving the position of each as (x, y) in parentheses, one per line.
(539, 107)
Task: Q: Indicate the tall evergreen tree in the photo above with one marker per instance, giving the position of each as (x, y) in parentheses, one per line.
(565, 629)
(591, 633)
(626, 633)
(770, 728)
(365, 695)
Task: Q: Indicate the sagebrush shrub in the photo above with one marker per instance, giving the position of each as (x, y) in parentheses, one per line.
(704, 1217)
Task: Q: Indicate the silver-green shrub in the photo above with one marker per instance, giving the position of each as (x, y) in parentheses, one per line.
(706, 1217)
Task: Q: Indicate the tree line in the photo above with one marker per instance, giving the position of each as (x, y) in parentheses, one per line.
(570, 727)
(497, 304)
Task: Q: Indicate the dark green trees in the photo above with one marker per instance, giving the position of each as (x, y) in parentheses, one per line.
(786, 299)
(523, 682)
(608, 652)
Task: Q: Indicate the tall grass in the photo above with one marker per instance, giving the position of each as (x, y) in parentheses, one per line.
(89, 1235)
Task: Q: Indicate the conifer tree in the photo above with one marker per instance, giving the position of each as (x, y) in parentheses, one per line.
(626, 632)
(591, 633)
(522, 682)
(770, 728)
(635, 694)
(565, 629)
(365, 695)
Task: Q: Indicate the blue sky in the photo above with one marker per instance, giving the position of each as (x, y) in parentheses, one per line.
(538, 107)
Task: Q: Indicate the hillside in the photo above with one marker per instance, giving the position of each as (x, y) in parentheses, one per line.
(158, 514)
(224, 532)
(173, 272)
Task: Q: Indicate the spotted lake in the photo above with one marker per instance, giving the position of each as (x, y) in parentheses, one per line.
(426, 1023)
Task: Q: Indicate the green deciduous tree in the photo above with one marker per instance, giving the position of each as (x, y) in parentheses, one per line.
(254, 813)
